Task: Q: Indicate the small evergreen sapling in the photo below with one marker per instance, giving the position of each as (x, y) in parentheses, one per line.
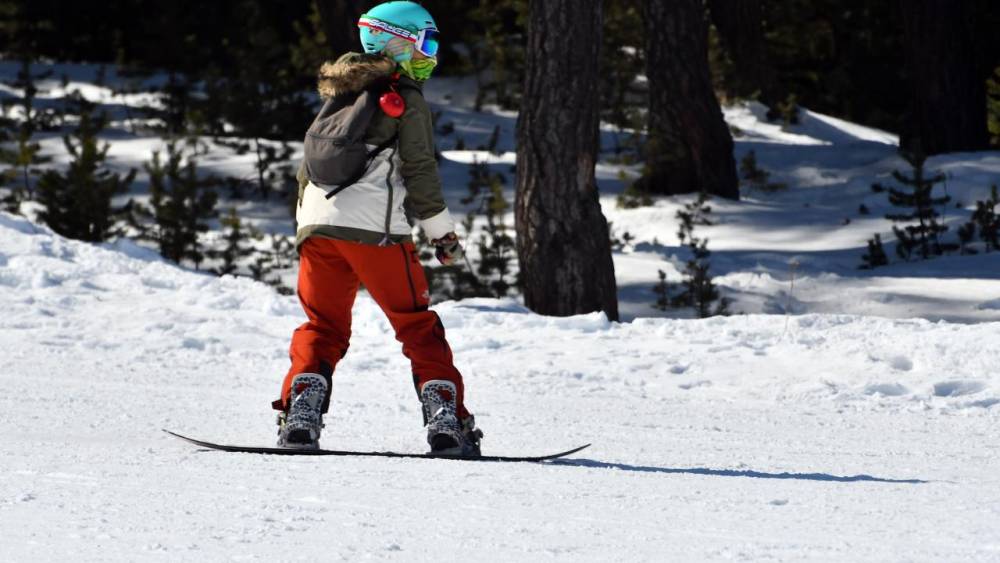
(27, 152)
(78, 202)
(180, 203)
(987, 221)
(875, 256)
(496, 246)
(662, 292)
(699, 291)
(916, 197)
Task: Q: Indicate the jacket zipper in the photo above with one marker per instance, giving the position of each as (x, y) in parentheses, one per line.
(388, 206)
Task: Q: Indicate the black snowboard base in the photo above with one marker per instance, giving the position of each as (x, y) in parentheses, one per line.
(295, 451)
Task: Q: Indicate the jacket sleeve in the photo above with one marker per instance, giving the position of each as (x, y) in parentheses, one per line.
(419, 168)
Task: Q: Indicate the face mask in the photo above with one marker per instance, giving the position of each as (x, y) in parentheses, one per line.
(419, 69)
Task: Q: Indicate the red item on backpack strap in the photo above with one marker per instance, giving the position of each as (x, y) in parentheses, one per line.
(392, 104)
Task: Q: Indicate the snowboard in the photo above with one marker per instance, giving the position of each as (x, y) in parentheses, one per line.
(295, 451)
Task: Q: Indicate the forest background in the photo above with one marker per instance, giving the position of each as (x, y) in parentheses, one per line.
(243, 73)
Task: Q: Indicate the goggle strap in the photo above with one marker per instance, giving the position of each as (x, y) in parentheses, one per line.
(388, 28)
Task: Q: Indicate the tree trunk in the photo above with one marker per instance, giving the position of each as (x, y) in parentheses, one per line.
(340, 21)
(689, 148)
(741, 28)
(563, 245)
(947, 83)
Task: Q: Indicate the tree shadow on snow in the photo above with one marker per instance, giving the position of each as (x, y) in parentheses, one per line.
(735, 473)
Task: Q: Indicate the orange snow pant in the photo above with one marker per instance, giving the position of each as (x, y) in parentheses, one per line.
(329, 274)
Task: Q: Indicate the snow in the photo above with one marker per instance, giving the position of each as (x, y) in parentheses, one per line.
(824, 437)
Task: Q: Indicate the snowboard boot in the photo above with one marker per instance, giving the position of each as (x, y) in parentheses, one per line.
(300, 425)
(446, 434)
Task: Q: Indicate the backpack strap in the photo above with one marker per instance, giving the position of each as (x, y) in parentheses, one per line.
(369, 157)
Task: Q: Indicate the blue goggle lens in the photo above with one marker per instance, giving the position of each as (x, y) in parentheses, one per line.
(429, 44)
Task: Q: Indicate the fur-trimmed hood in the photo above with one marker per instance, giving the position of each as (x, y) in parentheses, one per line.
(352, 72)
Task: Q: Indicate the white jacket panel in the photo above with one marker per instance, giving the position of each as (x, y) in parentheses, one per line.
(363, 205)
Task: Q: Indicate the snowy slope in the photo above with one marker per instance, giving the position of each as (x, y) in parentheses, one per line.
(819, 437)
(798, 250)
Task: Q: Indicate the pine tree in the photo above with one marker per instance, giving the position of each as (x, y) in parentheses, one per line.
(875, 256)
(26, 155)
(180, 202)
(496, 247)
(177, 105)
(689, 147)
(699, 291)
(33, 119)
(563, 245)
(916, 196)
(78, 202)
(987, 221)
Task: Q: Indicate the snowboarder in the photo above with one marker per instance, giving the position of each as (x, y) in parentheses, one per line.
(359, 234)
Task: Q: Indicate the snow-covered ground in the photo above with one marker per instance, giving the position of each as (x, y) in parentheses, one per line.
(823, 437)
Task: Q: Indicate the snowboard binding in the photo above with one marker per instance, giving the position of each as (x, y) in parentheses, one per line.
(446, 434)
(301, 424)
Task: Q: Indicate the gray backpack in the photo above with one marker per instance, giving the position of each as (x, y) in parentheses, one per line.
(335, 151)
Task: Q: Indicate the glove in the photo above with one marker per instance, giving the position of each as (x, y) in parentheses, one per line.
(447, 249)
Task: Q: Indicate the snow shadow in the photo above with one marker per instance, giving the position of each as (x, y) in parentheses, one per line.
(583, 462)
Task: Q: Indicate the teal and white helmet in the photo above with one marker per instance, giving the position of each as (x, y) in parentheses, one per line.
(396, 28)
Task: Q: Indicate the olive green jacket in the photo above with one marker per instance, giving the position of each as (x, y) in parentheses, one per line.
(402, 181)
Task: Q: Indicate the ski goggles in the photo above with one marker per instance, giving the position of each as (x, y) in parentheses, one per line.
(426, 41)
